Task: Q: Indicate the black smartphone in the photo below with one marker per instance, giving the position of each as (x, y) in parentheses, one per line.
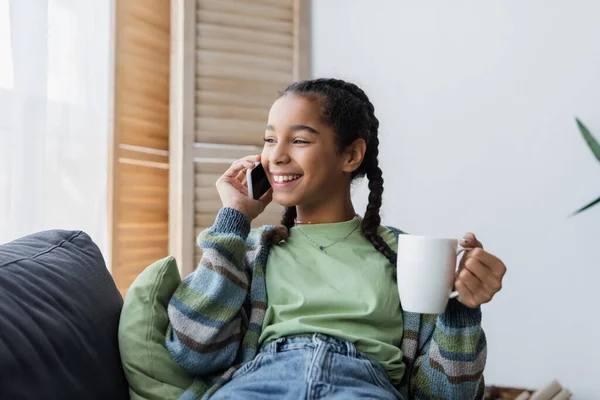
(258, 183)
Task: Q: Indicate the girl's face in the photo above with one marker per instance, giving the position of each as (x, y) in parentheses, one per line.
(300, 154)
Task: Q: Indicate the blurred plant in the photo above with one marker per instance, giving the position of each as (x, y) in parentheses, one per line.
(595, 147)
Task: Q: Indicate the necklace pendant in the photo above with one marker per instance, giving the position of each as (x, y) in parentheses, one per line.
(322, 248)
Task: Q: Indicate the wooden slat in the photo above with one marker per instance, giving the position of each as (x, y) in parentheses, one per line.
(140, 179)
(152, 12)
(223, 152)
(245, 87)
(132, 213)
(134, 124)
(247, 22)
(138, 137)
(228, 126)
(206, 194)
(246, 8)
(141, 228)
(145, 256)
(229, 32)
(244, 47)
(129, 191)
(141, 109)
(144, 243)
(205, 180)
(233, 99)
(140, 176)
(246, 113)
(287, 4)
(153, 79)
(152, 107)
(247, 138)
(222, 58)
(141, 156)
(207, 206)
(143, 203)
(242, 72)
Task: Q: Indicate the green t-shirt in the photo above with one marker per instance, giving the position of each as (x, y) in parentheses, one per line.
(345, 291)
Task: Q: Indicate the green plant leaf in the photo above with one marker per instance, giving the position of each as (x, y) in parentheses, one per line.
(593, 203)
(591, 141)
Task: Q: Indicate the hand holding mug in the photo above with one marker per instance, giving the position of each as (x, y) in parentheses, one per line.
(479, 276)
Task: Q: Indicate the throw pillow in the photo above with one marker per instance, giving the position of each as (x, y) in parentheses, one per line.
(151, 371)
(59, 312)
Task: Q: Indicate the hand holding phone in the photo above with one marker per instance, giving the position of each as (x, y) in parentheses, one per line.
(233, 188)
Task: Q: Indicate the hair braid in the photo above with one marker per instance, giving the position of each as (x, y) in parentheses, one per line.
(372, 218)
(289, 214)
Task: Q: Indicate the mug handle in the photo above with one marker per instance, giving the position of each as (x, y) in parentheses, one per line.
(459, 250)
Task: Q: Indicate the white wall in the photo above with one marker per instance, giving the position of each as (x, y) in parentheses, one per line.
(477, 103)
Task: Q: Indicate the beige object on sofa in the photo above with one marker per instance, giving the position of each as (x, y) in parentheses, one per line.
(552, 391)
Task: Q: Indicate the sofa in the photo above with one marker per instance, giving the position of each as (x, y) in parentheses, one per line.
(62, 320)
(59, 315)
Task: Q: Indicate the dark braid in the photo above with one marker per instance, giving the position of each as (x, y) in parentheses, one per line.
(372, 219)
(348, 110)
(289, 214)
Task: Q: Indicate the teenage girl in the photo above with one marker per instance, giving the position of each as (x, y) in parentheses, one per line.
(311, 309)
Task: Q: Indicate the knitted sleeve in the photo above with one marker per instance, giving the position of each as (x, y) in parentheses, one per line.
(451, 357)
(206, 319)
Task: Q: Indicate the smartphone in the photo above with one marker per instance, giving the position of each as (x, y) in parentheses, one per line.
(258, 183)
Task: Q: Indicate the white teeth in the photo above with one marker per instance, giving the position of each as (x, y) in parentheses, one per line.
(285, 178)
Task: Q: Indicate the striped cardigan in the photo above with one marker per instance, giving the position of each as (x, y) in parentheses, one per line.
(216, 316)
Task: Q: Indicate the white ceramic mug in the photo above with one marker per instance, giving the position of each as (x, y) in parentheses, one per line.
(426, 272)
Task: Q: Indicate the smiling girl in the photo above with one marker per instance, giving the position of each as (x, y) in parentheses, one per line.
(311, 310)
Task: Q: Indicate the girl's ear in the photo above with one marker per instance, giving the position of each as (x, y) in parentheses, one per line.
(354, 155)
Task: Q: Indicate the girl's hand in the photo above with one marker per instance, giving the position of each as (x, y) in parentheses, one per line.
(479, 275)
(234, 193)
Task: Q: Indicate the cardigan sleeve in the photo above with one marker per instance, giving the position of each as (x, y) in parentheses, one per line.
(452, 357)
(206, 319)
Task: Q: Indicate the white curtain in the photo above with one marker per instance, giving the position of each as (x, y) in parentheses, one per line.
(55, 116)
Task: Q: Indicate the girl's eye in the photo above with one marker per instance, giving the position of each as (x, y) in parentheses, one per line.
(300, 141)
(269, 140)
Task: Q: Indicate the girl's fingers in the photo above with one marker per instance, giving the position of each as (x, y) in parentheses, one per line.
(490, 261)
(465, 295)
(242, 175)
(491, 282)
(479, 292)
(241, 164)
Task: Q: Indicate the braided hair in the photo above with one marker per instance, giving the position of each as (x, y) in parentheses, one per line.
(348, 110)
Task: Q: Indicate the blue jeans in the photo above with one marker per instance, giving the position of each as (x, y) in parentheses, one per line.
(302, 367)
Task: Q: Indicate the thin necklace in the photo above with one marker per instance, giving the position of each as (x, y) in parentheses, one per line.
(323, 247)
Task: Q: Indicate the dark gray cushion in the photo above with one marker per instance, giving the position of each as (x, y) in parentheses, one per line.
(59, 313)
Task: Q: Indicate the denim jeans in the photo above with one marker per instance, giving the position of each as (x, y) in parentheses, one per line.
(309, 367)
